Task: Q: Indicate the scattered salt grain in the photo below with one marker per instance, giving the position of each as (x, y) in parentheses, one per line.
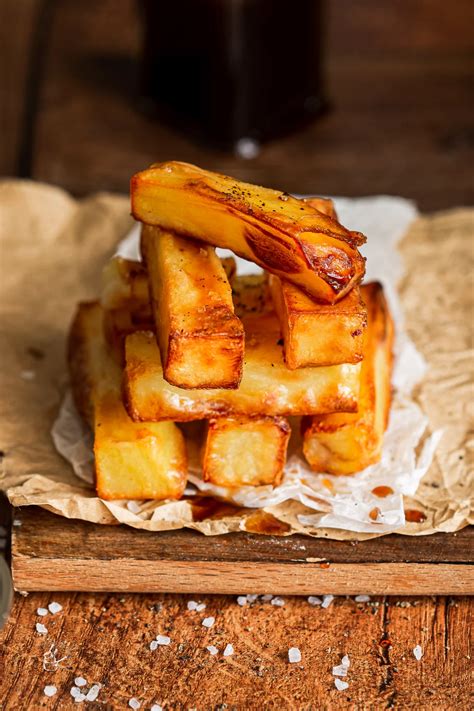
(242, 600)
(327, 599)
(294, 655)
(41, 629)
(341, 669)
(208, 621)
(340, 685)
(163, 640)
(362, 598)
(133, 507)
(418, 652)
(42, 611)
(17, 522)
(153, 645)
(252, 597)
(54, 607)
(134, 703)
(192, 604)
(228, 651)
(200, 607)
(79, 698)
(188, 492)
(314, 600)
(278, 601)
(80, 681)
(267, 598)
(93, 692)
(212, 650)
(156, 707)
(50, 690)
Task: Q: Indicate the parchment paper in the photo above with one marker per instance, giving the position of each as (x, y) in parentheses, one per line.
(53, 249)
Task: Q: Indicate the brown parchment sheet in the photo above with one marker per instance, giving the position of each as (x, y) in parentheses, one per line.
(53, 248)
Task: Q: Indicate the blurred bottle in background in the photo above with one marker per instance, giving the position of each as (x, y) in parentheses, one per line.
(233, 72)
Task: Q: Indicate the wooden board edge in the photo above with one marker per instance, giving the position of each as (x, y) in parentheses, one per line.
(235, 579)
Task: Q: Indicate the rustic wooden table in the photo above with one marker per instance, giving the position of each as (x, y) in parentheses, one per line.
(400, 123)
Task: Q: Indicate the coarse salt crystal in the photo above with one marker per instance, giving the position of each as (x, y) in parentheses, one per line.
(200, 607)
(252, 597)
(327, 599)
(341, 670)
(192, 605)
(93, 692)
(228, 650)
(208, 621)
(134, 703)
(50, 690)
(188, 492)
(278, 601)
(418, 652)
(362, 598)
(80, 681)
(153, 645)
(294, 655)
(74, 691)
(41, 629)
(242, 600)
(340, 685)
(156, 707)
(17, 522)
(314, 600)
(163, 640)
(133, 507)
(267, 598)
(42, 611)
(212, 650)
(79, 698)
(54, 607)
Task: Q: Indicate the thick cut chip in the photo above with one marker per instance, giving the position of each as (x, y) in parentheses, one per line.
(125, 284)
(268, 387)
(242, 451)
(200, 338)
(316, 334)
(144, 460)
(285, 236)
(347, 443)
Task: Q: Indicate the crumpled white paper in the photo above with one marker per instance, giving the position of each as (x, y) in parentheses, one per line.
(342, 502)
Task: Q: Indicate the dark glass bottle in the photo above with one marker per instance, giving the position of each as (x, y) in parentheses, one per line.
(228, 69)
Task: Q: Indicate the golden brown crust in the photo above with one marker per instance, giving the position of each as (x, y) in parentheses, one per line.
(200, 338)
(347, 443)
(284, 235)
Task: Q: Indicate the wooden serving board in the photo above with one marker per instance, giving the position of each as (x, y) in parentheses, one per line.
(53, 553)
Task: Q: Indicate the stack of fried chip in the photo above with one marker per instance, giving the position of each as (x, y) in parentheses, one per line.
(179, 337)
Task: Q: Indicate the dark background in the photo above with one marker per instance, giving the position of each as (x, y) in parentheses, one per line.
(398, 75)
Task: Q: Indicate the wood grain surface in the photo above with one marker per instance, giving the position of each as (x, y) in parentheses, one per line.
(106, 639)
(53, 553)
